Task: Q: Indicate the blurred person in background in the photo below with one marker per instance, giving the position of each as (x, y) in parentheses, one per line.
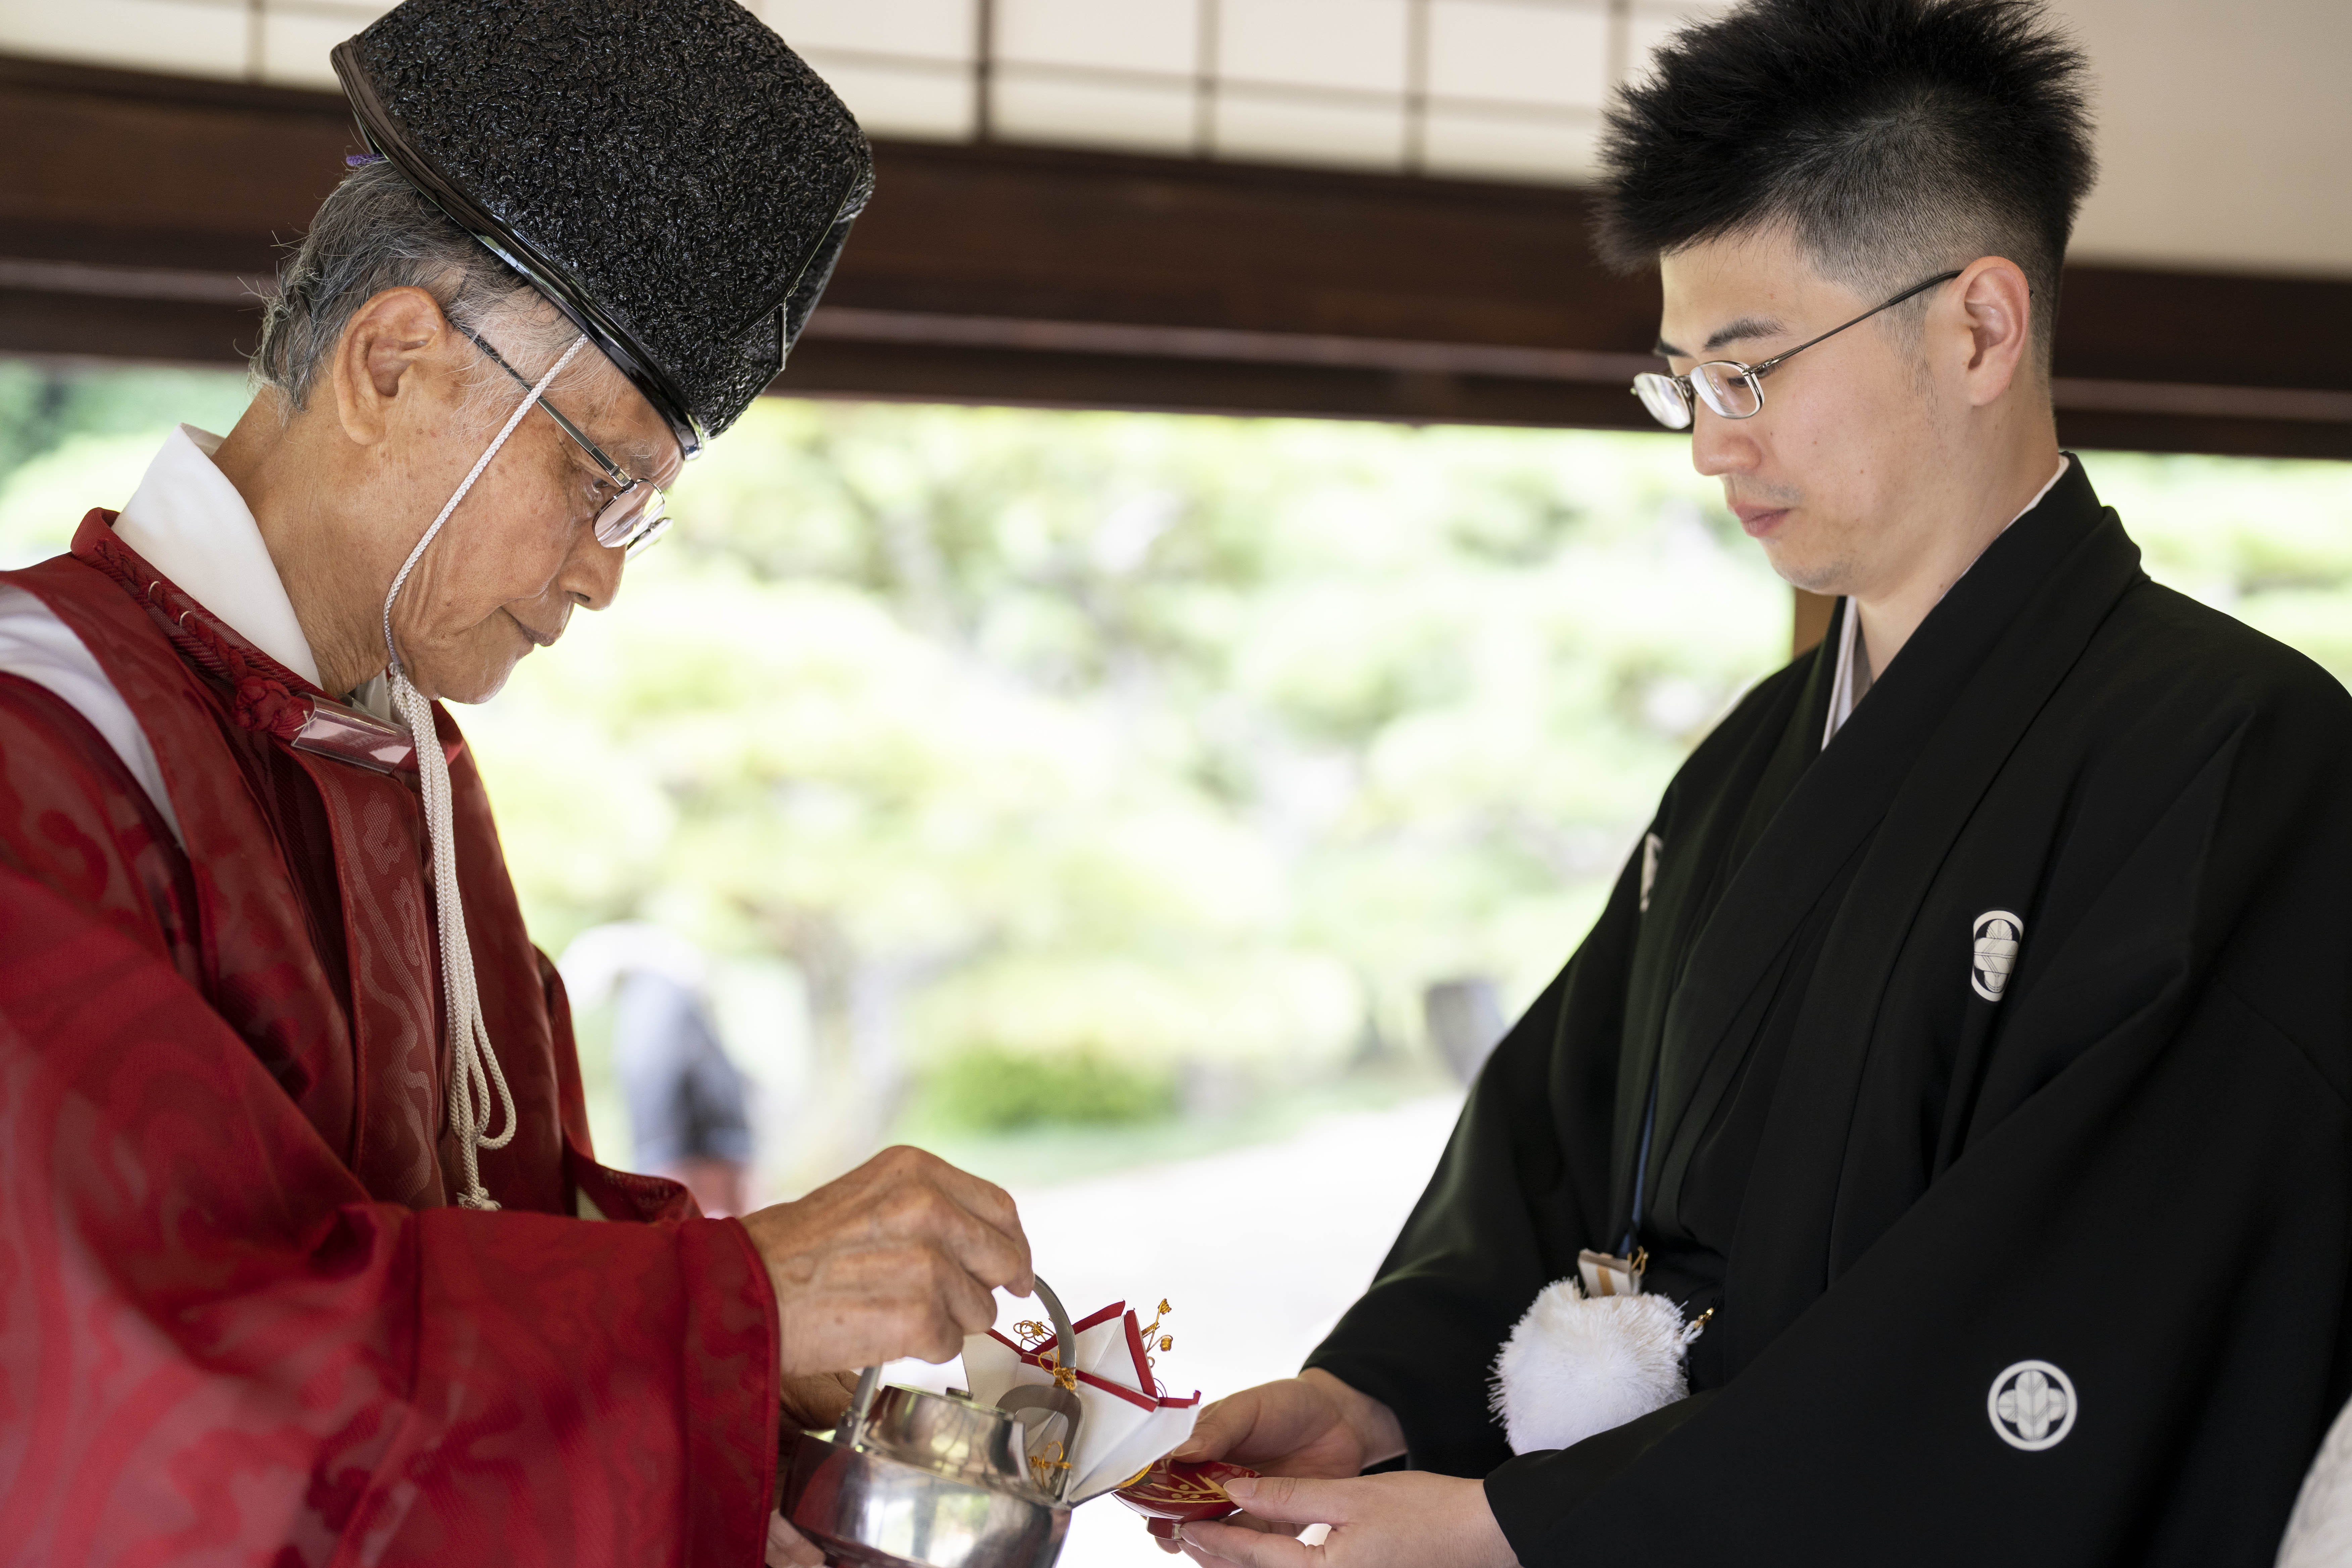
(306, 1254)
(689, 1115)
(1939, 1151)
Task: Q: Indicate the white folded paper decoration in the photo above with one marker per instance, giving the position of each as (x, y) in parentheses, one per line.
(1127, 1422)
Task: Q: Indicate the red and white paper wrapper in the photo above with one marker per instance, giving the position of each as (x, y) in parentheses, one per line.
(1129, 1422)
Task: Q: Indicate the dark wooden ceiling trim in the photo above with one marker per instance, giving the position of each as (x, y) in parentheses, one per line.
(139, 215)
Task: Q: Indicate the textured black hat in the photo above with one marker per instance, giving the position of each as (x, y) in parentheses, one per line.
(669, 175)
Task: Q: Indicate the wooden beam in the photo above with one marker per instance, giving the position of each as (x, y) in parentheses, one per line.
(140, 216)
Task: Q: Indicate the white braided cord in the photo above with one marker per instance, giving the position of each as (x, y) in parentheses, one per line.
(474, 1070)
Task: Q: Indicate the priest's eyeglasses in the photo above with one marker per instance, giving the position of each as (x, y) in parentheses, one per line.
(1730, 388)
(638, 512)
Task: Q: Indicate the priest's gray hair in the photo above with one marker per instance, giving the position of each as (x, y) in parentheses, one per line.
(375, 232)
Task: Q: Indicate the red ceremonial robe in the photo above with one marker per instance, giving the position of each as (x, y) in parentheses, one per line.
(240, 1318)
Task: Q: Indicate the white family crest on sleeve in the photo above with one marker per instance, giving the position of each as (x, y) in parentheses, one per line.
(2031, 1405)
(2319, 1530)
(1578, 1364)
(1993, 956)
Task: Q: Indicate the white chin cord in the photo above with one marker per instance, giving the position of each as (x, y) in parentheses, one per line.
(474, 1066)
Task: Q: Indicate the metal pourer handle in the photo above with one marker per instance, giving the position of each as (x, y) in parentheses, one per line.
(1063, 1334)
(870, 1382)
(861, 1405)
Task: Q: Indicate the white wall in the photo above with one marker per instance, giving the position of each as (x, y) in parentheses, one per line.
(2225, 126)
(2225, 131)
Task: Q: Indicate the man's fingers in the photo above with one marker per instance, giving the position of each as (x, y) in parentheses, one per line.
(1196, 1554)
(1251, 1548)
(1221, 1425)
(1294, 1499)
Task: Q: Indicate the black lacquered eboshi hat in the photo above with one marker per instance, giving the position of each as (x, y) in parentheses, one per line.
(666, 171)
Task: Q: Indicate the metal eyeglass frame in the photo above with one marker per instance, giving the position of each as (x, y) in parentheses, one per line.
(650, 521)
(1659, 390)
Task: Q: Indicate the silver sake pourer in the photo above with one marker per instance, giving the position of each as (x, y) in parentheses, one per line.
(915, 1479)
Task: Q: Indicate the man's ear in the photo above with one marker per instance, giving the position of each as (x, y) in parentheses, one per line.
(1998, 307)
(386, 353)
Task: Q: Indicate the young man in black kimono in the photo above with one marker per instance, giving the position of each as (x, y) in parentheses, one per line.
(1970, 1034)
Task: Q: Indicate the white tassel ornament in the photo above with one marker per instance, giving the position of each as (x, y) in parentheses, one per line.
(1579, 1364)
(474, 1072)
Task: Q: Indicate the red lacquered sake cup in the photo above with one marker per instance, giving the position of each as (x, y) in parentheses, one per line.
(1177, 1492)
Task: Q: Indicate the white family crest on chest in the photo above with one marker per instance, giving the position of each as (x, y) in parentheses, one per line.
(2031, 1405)
(1994, 941)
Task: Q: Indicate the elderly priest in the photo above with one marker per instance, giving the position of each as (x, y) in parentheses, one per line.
(297, 1260)
(1937, 1152)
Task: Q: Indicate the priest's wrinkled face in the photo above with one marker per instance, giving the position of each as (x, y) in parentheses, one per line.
(1863, 439)
(519, 553)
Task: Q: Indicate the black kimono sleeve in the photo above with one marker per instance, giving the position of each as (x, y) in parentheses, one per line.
(1523, 1185)
(2122, 1168)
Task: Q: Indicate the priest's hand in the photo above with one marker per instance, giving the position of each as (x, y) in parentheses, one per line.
(1408, 1519)
(815, 1402)
(895, 1258)
(788, 1548)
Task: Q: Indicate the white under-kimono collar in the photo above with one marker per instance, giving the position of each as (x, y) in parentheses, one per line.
(189, 522)
(1852, 682)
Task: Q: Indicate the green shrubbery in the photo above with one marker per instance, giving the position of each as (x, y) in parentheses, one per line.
(1041, 745)
(987, 1088)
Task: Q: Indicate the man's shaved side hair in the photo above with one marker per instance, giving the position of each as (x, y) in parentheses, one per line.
(1891, 139)
(376, 232)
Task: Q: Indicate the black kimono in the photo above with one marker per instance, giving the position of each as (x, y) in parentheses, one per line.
(1786, 1062)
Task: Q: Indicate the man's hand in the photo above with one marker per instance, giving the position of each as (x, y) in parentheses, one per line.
(1406, 1519)
(1311, 1424)
(895, 1258)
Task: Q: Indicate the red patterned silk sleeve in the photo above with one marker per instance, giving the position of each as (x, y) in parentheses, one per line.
(213, 1346)
(71, 816)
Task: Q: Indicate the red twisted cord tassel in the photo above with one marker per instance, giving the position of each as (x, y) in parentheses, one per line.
(267, 697)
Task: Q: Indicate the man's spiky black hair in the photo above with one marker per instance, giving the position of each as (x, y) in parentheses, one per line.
(1892, 138)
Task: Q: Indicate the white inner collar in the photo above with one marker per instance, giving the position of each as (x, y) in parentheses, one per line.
(190, 523)
(1852, 681)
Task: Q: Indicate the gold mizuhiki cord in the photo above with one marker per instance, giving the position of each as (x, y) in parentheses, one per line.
(1046, 1463)
(1167, 1342)
(1033, 1333)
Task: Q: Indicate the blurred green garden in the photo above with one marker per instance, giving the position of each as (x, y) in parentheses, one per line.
(1070, 790)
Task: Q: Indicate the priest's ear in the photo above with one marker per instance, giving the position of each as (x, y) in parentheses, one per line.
(1991, 337)
(395, 361)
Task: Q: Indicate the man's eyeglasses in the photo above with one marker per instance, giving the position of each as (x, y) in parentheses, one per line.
(1730, 388)
(638, 512)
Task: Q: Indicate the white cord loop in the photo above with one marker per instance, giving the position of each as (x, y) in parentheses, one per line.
(474, 1071)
